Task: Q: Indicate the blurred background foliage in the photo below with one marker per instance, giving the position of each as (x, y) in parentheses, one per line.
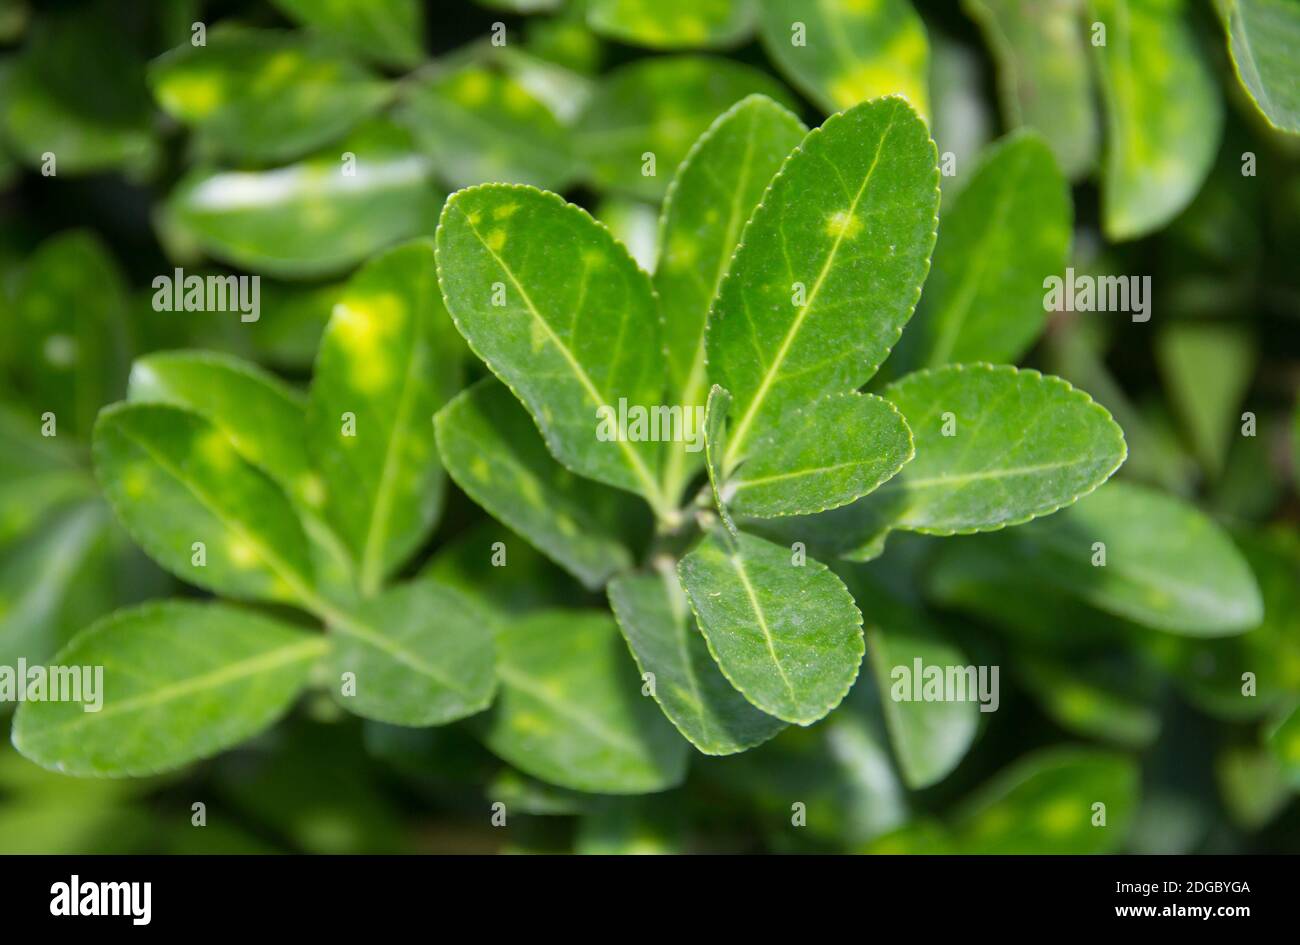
(224, 158)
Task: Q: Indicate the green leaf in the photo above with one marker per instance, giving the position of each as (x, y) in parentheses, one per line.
(387, 31)
(994, 447)
(1263, 36)
(661, 632)
(72, 95)
(1284, 742)
(264, 95)
(45, 576)
(1164, 114)
(828, 270)
(70, 310)
(574, 334)
(655, 109)
(672, 24)
(311, 218)
(37, 474)
(635, 224)
(1207, 370)
(1007, 230)
(848, 51)
(930, 738)
(962, 121)
(491, 447)
(1095, 700)
(1252, 784)
(262, 416)
(385, 365)
(1043, 73)
(1167, 565)
(420, 654)
(570, 710)
(637, 826)
(715, 443)
(1044, 804)
(181, 681)
(480, 124)
(713, 193)
(174, 479)
(786, 635)
(822, 456)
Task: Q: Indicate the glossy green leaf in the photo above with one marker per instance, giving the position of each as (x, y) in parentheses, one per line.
(994, 447)
(311, 218)
(820, 457)
(419, 654)
(1263, 38)
(842, 52)
(491, 447)
(635, 224)
(70, 311)
(1043, 73)
(930, 737)
(672, 24)
(784, 631)
(181, 681)
(262, 416)
(264, 95)
(480, 124)
(1167, 565)
(174, 479)
(1007, 231)
(1207, 370)
(713, 193)
(828, 270)
(665, 642)
(645, 116)
(575, 335)
(1164, 114)
(384, 367)
(570, 709)
(387, 31)
(1045, 804)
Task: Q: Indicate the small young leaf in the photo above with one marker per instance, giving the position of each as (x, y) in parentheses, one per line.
(729, 166)
(478, 124)
(672, 24)
(387, 31)
(1263, 36)
(181, 681)
(1045, 803)
(1167, 565)
(646, 115)
(847, 51)
(1164, 114)
(1043, 73)
(312, 218)
(491, 447)
(696, 697)
(575, 333)
(385, 365)
(264, 95)
(715, 444)
(829, 267)
(994, 447)
(570, 710)
(175, 479)
(420, 654)
(1006, 232)
(820, 457)
(786, 635)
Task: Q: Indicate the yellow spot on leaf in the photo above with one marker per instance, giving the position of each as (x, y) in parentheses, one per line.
(843, 224)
